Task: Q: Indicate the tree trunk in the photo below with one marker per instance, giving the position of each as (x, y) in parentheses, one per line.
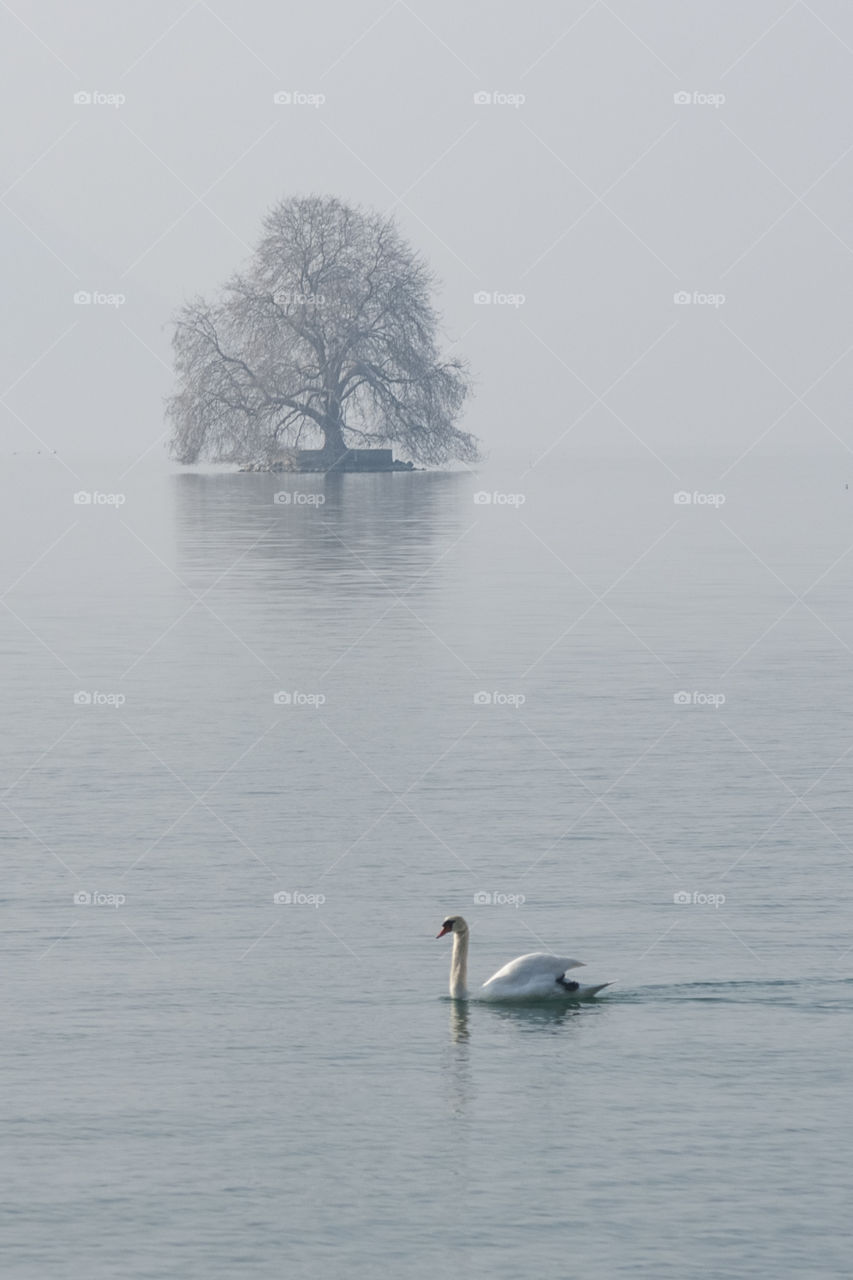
(333, 439)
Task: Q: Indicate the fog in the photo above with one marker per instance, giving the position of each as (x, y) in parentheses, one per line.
(268, 735)
(581, 199)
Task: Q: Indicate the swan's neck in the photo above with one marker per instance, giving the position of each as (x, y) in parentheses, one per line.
(459, 967)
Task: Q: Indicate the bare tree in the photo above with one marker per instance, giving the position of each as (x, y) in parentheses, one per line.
(329, 336)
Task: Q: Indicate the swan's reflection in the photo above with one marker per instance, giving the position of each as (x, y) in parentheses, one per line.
(457, 1061)
(550, 1017)
(459, 1020)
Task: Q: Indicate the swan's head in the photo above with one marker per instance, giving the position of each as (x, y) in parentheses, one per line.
(452, 924)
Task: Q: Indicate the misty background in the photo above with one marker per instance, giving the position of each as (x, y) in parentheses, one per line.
(263, 732)
(597, 198)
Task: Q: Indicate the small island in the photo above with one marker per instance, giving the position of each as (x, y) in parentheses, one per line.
(317, 460)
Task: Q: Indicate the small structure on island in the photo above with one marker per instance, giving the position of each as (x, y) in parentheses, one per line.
(319, 460)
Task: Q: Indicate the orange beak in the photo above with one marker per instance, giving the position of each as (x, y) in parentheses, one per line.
(444, 930)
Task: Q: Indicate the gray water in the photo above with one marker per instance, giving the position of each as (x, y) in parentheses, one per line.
(199, 1081)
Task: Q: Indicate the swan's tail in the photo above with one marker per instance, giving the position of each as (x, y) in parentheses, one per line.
(586, 993)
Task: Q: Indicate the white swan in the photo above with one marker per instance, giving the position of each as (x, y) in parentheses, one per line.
(534, 977)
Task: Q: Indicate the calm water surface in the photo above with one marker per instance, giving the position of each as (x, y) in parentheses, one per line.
(201, 1081)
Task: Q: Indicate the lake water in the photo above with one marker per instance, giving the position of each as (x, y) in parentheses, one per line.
(200, 1081)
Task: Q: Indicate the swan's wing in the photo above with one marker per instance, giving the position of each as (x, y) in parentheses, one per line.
(529, 973)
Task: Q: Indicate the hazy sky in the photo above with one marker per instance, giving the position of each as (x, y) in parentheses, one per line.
(597, 197)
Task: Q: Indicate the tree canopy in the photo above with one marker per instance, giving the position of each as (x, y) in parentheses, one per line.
(329, 337)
